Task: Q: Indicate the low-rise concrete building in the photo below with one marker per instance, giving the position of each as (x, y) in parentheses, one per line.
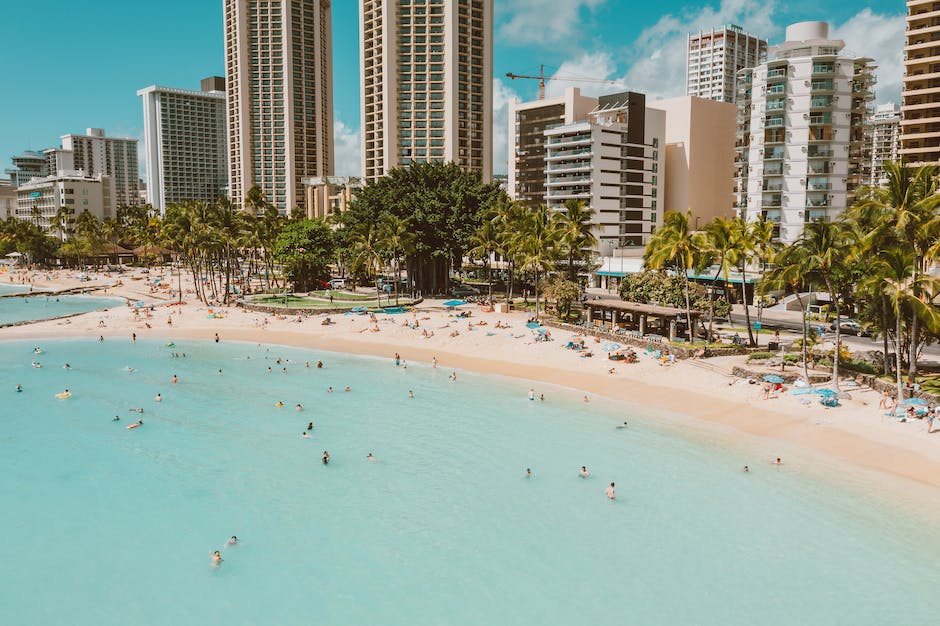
(326, 195)
(40, 199)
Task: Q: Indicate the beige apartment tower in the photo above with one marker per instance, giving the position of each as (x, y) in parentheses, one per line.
(426, 81)
(920, 111)
(700, 153)
(715, 57)
(278, 60)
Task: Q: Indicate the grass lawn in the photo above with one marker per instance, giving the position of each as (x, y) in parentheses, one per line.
(342, 295)
(296, 302)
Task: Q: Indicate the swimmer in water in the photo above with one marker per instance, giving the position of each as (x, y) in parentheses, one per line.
(136, 424)
(542, 397)
(19, 388)
(411, 394)
(528, 472)
(329, 390)
(305, 435)
(299, 407)
(158, 398)
(586, 399)
(746, 469)
(531, 394)
(100, 338)
(347, 388)
(310, 426)
(175, 379)
(610, 492)
(117, 418)
(216, 558)
(136, 410)
(371, 457)
(66, 367)
(307, 364)
(453, 376)
(778, 461)
(326, 457)
(584, 472)
(232, 541)
(278, 404)
(434, 361)
(269, 370)
(36, 365)
(624, 425)
(220, 372)
(319, 365)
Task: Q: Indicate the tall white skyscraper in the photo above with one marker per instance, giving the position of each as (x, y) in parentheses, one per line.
(279, 76)
(184, 137)
(97, 155)
(426, 79)
(716, 56)
(884, 141)
(801, 141)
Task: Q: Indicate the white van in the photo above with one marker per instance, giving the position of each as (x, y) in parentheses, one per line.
(338, 283)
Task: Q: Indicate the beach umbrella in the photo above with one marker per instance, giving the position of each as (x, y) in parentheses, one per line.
(826, 392)
(454, 303)
(610, 347)
(915, 402)
(771, 378)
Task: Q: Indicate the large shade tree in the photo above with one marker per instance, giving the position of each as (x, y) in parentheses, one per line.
(444, 205)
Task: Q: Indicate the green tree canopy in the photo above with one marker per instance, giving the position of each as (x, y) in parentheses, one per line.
(305, 248)
(444, 205)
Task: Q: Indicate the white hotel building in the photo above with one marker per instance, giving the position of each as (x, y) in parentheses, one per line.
(184, 139)
(427, 84)
(613, 162)
(803, 113)
(40, 199)
(884, 136)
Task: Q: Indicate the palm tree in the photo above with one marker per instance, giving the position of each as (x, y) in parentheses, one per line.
(367, 255)
(675, 246)
(484, 244)
(788, 274)
(718, 240)
(576, 226)
(538, 243)
(61, 222)
(399, 240)
(825, 247)
(508, 218)
(910, 197)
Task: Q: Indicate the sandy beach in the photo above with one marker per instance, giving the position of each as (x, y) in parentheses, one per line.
(686, 394)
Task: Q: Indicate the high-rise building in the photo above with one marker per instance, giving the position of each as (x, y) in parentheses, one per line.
(97, 155)
(279, 76)
(920, 108)
(884, 141)
(699, 167)
(528, 122)
(613, 162)
(184, 140)
(26, 166)
(426, 80)
(805, 108)
(716, 56)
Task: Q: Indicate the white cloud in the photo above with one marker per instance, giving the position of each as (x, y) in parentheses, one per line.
(658, 68)
(880, 37)
(347, 146)
(593, 65)
(544, 23)
(501, 97)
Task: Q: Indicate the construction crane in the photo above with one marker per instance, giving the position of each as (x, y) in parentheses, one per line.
(542, 78)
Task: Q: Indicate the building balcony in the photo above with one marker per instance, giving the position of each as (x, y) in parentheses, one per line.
(567, 154)
(559, 182)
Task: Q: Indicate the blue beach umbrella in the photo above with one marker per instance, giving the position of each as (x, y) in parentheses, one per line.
(610, 347)
(772, 378)
(915, 402)
(453, 303)
(826, 392)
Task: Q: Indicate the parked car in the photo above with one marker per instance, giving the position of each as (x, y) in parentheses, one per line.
(850, 327)
(338, 283)
(464, 290)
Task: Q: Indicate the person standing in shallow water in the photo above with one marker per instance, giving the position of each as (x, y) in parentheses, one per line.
(326, 457)
(610, 492)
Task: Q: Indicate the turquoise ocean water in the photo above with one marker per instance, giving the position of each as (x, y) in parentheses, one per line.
(105, 525)
(41, 307)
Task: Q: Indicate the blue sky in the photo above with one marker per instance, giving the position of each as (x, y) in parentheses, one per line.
(68, 67)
